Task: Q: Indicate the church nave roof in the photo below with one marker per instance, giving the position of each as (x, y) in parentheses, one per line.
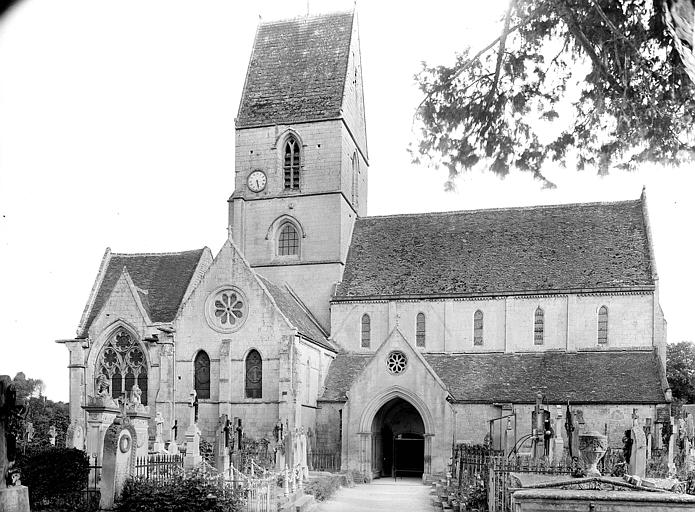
(505, 251)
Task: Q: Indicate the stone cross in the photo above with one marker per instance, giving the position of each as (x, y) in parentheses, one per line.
(52, 433)
(159, 425)
(193, 404)
(175, 428)
(30, 431)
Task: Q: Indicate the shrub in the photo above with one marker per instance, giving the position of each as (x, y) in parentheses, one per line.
(324, 487)
(56, 476)
(178, 495)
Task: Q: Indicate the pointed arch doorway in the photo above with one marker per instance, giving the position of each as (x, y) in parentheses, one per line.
(398, 440)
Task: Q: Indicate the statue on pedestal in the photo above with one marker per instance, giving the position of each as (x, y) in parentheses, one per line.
(52, 434)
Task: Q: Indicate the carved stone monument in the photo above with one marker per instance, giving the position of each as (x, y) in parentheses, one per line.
(593, 446)
(74, 437)
(52, 434)
(638, 457)
(158, 440)
(558, 443)
(139, 417)
(14, 498)
(192, 458)
(221, 449)
(101, 410)
(119, 454)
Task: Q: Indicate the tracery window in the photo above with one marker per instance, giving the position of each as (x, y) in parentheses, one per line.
(366, 337)
(288, 241)
(254, 375)
(123, 362)
(420, 330)
(538, 326)
(603, 324)
(291, 163)
(201, 367)
(478, 328)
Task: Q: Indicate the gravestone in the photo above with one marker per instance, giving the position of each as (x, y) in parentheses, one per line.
(13, 498)
(118, 463)
(74, 437)
(192, 458)
(52, 434)
(158, 426)
(279, 448)
(221, 449)
(638, 456)
(558, 442)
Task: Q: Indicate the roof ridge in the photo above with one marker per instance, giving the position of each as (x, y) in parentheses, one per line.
(306, 17)
(508, 208)
(173, 253)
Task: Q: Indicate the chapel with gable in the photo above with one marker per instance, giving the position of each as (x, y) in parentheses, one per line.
(385, 338)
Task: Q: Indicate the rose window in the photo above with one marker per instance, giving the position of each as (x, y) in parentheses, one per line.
(226, 309)
(396, 362)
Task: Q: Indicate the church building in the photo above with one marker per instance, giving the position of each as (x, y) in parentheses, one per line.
(385, 338)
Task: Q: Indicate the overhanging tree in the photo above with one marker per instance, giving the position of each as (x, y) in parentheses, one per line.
(600, 77)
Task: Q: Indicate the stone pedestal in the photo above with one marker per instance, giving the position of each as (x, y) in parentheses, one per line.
(140, 418)
(100, 415)
(193, 457)
(14, 499)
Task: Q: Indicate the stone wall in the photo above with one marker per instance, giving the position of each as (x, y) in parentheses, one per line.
(570, 322)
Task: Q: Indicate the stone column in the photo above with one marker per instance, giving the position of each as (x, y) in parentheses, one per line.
(428, 454)
(225, 408)
(558, 442)
(76, 370)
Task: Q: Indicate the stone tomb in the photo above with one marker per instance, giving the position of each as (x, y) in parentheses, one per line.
(118, 463)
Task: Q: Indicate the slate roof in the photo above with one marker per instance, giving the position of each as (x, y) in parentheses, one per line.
(297, 70)
(164, 277)
(583, 377)
(296, 314)
(496, 251)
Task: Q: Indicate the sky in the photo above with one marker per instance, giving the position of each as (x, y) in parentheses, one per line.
(117, 130)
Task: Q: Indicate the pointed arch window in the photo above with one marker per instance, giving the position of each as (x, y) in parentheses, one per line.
(420, 330)
(478, 328)
(288, 240)
(603, 325)
(291, 163)
(355, 178)
(123, 363)
(366, 337)
(201, 367)
(254, 375)
(538, 326)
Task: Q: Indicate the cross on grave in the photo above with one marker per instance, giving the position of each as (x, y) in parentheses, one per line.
(175, 428)
(29, 431)
(193, 404)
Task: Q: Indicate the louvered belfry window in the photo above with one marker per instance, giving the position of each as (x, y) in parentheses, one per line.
(478, 328)
(291, 163)
(420, 330)
(254, 375)
(366, 330)
(603, 325)
(538, 327)
(202, 375)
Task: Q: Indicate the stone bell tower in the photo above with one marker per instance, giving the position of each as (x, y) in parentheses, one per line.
(301, 154)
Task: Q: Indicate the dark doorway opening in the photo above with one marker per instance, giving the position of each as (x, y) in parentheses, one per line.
(398, 441)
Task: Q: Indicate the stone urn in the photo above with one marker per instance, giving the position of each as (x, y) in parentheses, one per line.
(592, 446)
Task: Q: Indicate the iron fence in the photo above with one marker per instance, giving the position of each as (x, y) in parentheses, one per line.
(159, 468)
(324, 461)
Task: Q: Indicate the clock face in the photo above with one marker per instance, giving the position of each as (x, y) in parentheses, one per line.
(256, 181)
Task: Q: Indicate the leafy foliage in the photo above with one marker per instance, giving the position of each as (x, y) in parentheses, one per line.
(178, 495)
(680, 370)
(55, 477)
(41, 412)
(323, 487)
(597, 76)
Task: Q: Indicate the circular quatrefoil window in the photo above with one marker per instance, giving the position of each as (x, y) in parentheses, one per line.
(396, 362)
(226, 309)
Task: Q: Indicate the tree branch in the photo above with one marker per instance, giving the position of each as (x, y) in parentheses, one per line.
(500, 52)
